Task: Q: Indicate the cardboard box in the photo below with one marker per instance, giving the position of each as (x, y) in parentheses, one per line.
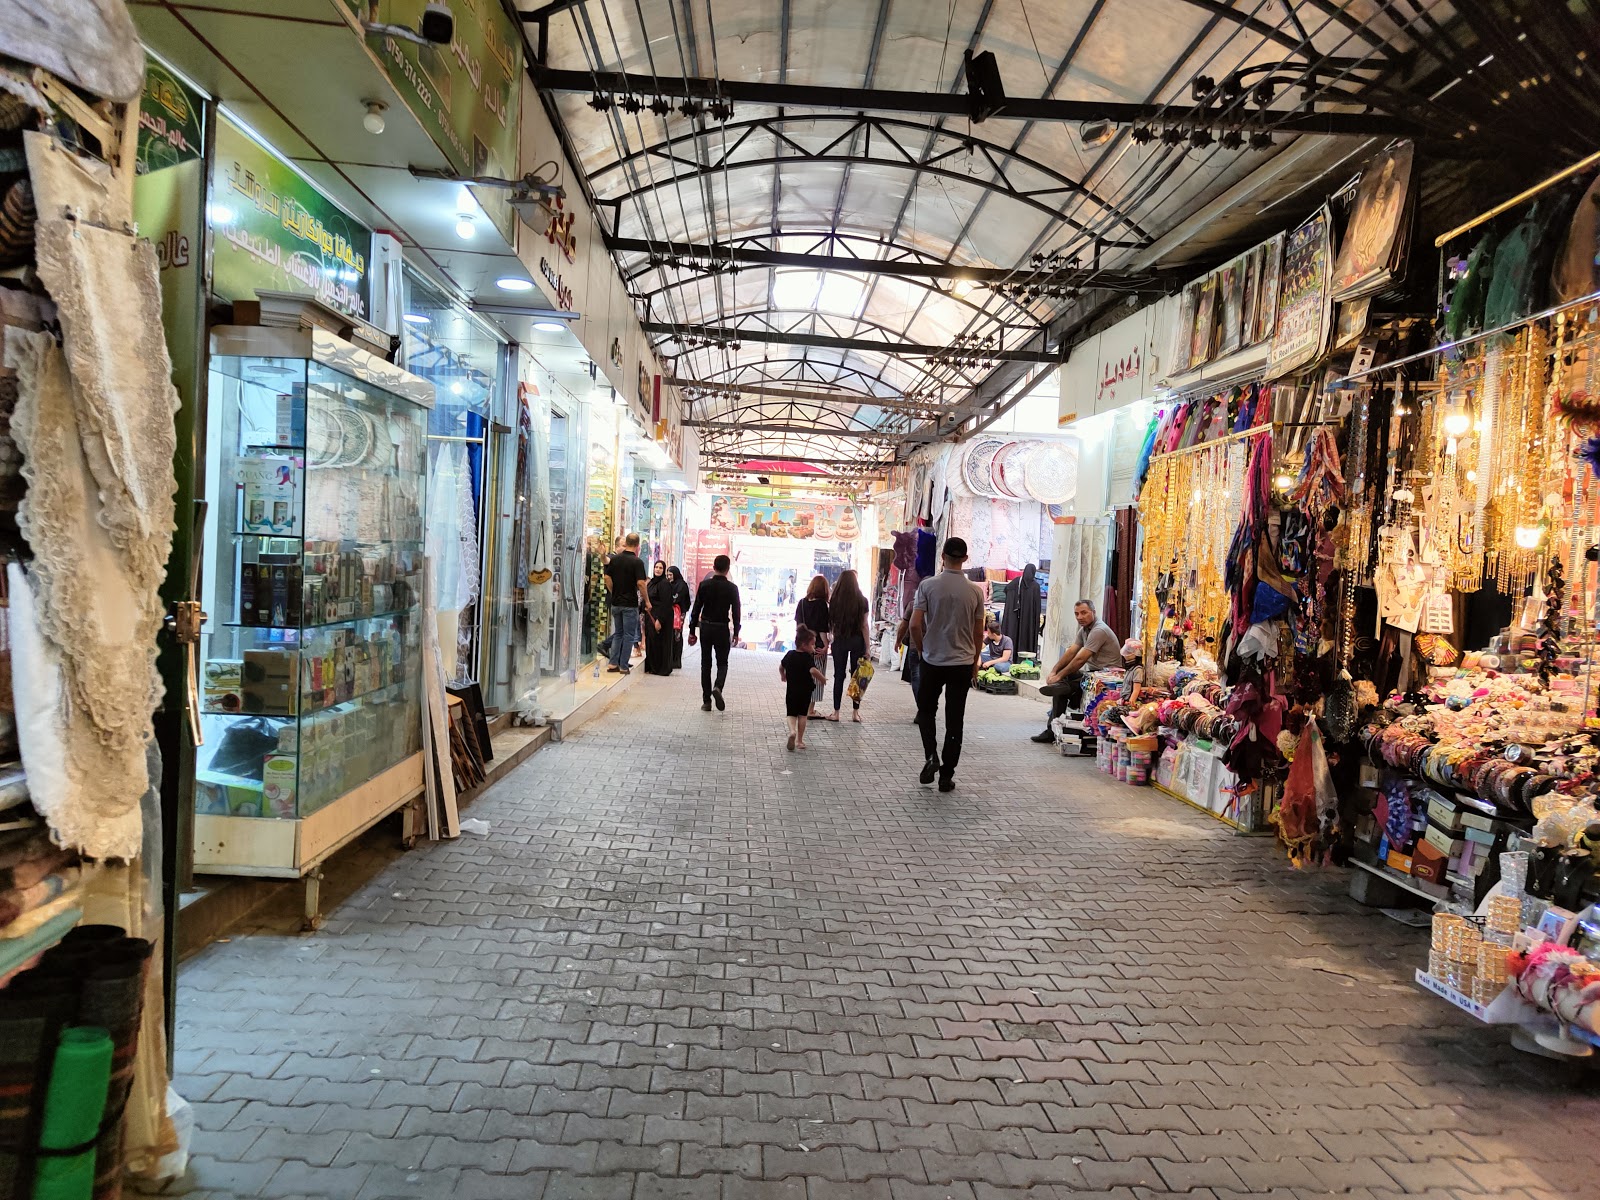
(269, 488)
(1429, 864)
(1399, 862)
(1444, 813)
(222, 685)
(1443, 840)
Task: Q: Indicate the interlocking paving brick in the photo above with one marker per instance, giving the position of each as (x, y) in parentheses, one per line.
(686, 964)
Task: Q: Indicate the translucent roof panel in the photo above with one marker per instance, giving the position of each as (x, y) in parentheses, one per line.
(864, 182)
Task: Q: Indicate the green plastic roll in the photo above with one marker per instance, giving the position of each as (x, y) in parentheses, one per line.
(74, 1104)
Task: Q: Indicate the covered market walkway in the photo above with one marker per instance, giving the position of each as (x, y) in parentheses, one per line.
(683, 962)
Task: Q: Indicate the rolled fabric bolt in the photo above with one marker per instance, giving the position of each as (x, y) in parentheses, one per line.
(74, 1104)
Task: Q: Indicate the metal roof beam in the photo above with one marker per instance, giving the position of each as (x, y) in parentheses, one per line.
(793, 95)
(1150, 281)
(760, 391)
(829, 342)
(764, 430)
(865, 464)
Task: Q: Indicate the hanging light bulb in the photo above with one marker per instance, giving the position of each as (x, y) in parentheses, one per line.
(1528, 537)
(1457, 423)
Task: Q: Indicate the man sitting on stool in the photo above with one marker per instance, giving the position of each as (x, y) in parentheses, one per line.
(1094, 649)
(997, 649)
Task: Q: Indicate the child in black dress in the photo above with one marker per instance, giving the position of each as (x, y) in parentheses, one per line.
(799, 671)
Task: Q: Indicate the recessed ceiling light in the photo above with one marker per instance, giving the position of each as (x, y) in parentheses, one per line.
(510, 283)
(416, 319)
(550, 326)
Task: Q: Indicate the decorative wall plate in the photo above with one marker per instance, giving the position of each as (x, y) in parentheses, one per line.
(978, 467)
(1052, 473)
(1010, 468)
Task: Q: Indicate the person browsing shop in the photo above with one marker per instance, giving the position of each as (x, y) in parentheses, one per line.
(1094, 649)
(947, 633)
(626, 577)
(998, 649)
(716, 613)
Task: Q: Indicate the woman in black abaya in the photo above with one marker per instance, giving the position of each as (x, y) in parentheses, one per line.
(680, 601)
(1019, 619)
(658, 631)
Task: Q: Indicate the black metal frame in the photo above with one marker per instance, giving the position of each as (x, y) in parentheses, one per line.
(875, 129)
(692, 160)
(725, 333)
(923, 267)
(949, 104)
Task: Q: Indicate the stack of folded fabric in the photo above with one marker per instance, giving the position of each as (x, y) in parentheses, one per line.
(92, 980)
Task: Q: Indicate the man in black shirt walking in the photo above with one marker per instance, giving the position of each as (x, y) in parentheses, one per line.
(716, 608)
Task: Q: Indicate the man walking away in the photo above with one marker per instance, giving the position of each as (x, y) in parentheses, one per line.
(1094, 649)
(947, 633)
(716, 609)
(626, 575)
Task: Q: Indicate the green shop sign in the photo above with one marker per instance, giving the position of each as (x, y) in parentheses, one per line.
(272, 231)
(467, 95)
(170, 121)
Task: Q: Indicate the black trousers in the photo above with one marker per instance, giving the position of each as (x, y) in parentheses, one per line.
(714, 639)
(847, 654)
(954, 683)
(1071, 698)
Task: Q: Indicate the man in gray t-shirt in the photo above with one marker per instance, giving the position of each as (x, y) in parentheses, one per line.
(947, 631)
(1094, 649)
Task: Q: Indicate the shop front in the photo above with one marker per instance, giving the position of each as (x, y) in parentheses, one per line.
(1366, 571)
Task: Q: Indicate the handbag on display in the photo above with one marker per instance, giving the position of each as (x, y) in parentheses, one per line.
(539, 575)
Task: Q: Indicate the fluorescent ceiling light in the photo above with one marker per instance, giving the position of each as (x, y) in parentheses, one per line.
(550, 326)
(795, 291)
(416, 319)
(511, 283)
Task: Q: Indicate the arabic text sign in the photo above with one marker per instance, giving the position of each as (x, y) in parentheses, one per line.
(1121, 373)
(274, 232)
(170, 116)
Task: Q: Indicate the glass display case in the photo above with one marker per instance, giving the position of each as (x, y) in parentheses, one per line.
(311, 679)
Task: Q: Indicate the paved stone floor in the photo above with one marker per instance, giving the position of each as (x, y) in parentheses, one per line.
(684, 963)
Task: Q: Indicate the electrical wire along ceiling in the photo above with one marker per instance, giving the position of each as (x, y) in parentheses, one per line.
(851, 226)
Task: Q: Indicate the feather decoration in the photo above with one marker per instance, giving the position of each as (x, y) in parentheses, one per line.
(1589, 451)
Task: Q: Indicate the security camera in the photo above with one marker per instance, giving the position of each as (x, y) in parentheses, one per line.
(437, 27)
(438, 24)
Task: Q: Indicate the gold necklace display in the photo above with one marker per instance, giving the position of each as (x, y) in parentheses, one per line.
(1188, 508)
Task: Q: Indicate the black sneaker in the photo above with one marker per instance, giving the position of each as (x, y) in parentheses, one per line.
(947, 785)
(716, 694)
(705, 706)
(1054, 689)
(929, 770)
(1046, 737)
